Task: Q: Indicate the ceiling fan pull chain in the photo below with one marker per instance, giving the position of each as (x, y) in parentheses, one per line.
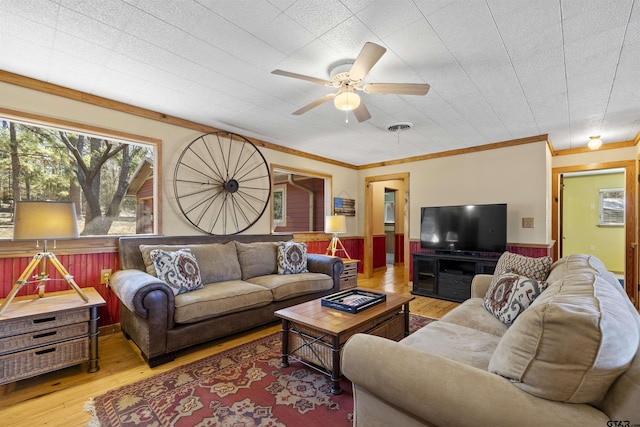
(346, 120)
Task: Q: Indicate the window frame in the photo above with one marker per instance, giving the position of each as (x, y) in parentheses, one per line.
(602, 195)
(109, 243)
(328, 195)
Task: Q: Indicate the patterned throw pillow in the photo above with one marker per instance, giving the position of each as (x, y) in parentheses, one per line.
(178, 269)
(510, 294)
(535, 268)
(292, 258)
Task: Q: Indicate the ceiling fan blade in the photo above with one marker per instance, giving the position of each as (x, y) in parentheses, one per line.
(314, 104)
(367, 58)
(302, 77)
(361, 113)
(397, 88)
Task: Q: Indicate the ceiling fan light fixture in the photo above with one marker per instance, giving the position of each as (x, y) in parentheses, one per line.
(594, 142)
(347, 101)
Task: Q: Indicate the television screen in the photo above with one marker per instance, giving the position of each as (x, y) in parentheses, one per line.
(468, 228)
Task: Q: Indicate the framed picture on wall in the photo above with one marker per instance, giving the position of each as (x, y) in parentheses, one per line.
(280, 205)
(346, 207)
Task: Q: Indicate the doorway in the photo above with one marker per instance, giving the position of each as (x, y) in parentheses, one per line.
(561, 202)
(390, 224)
(593, 216)
(401, 217)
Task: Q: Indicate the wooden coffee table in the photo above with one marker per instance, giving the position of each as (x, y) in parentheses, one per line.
(314, 334)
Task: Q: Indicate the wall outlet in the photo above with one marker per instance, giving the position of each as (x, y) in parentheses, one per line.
(527, 222)
(105, 276)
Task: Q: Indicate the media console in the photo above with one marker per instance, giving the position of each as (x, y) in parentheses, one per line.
(448, 276)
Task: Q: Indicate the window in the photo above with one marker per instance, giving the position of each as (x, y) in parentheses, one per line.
(301, 200)
(108, 178)
(612, 207)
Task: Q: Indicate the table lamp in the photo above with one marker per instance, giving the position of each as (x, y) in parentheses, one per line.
(335, 224)
(43, 220)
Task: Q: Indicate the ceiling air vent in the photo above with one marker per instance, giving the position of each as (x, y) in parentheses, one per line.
(395, 127)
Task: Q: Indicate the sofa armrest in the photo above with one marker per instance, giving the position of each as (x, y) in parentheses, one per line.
(441, 391)
(134, 289)
(480, 285)
(329, 265)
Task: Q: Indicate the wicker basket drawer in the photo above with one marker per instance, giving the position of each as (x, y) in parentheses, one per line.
(33, 339)
(319, 353)
(392, 329)
(28, 363)
(25, 325)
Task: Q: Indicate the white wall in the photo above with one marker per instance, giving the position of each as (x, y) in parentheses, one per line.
(515, 175)
(595, 157)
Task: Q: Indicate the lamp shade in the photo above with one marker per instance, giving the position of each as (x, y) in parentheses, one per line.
(39, 220)
(347, 100)
(335, 224)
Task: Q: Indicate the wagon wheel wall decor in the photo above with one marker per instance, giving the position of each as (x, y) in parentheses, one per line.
(222, 183)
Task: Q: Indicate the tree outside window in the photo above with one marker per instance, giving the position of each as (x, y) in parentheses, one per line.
(39, 163)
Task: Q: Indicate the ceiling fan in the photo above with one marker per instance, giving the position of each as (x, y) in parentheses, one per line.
(348, 82)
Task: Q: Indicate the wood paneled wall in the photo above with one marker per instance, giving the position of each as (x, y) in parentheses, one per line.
(297, 207)
(85, 269)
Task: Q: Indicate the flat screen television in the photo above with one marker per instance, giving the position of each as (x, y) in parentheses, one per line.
(468, 229)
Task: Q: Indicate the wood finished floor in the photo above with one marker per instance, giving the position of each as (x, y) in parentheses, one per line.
(58, 398)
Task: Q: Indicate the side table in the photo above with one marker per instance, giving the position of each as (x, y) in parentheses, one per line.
(349, 277)
(39, 335)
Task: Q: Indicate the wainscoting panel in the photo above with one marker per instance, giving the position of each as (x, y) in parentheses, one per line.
(85, 269)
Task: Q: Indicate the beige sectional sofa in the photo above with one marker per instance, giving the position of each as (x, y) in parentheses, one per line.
(238, 288)
(569, 359)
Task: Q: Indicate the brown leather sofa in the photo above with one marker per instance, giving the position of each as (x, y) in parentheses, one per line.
(232, 299)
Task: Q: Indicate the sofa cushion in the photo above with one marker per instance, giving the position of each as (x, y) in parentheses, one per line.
(178, 269)
(580, 263)
(572, 343)
(219, 298)
(257, 259)
(292, 258)
(218, 262)
(535, 268)
(455, 342)
(472, 314)
(292, 285)
(510, 294)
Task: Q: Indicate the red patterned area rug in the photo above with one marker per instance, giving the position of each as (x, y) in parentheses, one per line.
(241, 387)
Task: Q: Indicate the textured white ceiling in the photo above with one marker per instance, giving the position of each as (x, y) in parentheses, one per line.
(498, 69)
